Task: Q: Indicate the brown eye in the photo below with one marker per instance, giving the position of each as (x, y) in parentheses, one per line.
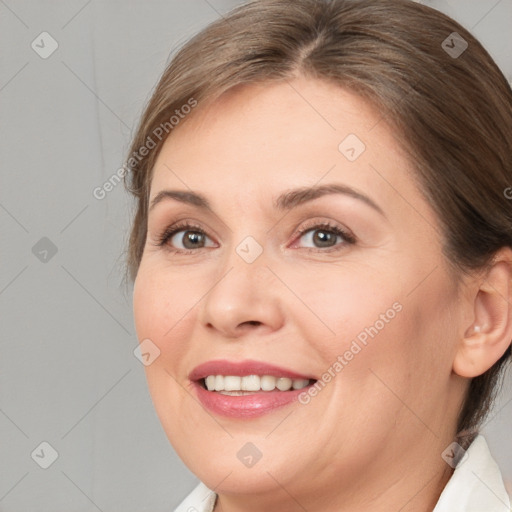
(190, 239)
(326, 236)
(322, 237)
(184, 238)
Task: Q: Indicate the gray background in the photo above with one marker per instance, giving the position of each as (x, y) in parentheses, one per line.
(68, 375)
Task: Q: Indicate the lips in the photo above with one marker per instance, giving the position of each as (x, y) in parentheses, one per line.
(246, 405)
(243, 368)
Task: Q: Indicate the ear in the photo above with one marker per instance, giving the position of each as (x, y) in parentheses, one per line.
(490, 334)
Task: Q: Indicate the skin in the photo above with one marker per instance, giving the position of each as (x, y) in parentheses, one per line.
(372, 438)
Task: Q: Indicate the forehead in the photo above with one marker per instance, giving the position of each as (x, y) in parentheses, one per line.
(259, 139)
(291, 111)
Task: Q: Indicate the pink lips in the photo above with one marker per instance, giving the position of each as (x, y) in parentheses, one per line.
(245, 406)
(241, 368)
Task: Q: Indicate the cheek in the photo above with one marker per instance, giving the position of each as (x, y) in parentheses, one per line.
(163, 304)
(343, 305)
(162, 307)
(381, 330)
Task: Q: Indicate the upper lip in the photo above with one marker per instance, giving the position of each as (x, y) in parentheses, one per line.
(242, 368)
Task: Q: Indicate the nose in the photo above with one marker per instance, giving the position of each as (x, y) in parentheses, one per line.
(244, 298)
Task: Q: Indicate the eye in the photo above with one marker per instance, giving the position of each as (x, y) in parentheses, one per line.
(326, 236)
(184, 238)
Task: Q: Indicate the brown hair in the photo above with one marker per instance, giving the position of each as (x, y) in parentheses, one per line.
(452, 112)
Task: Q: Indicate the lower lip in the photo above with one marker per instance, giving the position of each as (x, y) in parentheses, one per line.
(246, 406)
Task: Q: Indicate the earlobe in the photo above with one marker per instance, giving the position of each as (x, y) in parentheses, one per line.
(490, 333)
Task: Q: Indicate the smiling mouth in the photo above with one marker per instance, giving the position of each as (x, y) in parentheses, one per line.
(234, 385)
(247, 389)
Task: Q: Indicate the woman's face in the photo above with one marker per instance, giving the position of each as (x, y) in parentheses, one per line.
(344, 286)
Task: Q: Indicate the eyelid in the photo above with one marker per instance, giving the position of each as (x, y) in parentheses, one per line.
(328, 225)
(311, 225)
(183, 225)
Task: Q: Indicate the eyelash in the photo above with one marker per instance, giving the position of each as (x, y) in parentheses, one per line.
(348, 238)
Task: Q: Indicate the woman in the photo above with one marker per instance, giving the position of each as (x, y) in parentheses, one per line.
(322, 260)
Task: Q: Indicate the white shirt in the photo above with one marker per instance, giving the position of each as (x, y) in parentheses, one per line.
(476, 485)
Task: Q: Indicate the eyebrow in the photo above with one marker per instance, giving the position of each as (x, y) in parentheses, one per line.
(286, 201)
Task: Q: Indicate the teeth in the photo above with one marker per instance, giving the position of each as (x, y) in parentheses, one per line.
(268, 383)
(284, 384)
(300, 383)
(210, 382)
(249, 383)
(232, 383)
(235, 384)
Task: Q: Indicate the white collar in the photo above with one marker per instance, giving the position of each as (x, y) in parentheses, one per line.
(476, 485)
(201, 499)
